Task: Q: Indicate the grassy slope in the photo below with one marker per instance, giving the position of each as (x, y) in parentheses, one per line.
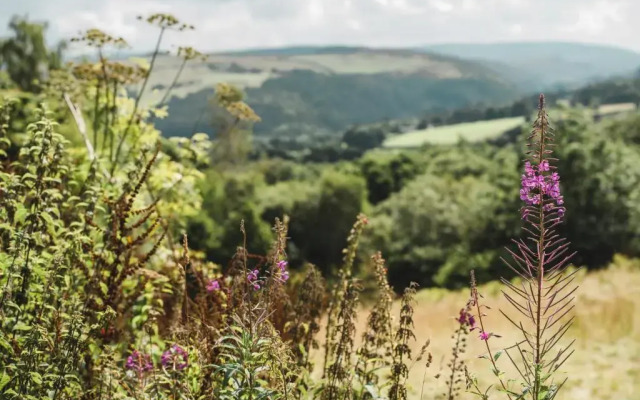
(606, 329)
(255, 68)
(450, 134)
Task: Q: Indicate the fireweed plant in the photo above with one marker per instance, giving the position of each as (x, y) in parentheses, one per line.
(542, 294)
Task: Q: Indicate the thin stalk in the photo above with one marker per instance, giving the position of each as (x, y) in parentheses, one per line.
(540, 273)
(96, 105)
(175, 81)
(486, 342)
(114, 112)
(137, 102)
(451, 396)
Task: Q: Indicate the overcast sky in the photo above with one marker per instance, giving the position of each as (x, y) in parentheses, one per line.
(237, 24)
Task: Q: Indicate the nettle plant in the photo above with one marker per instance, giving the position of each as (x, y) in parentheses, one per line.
(542, 294)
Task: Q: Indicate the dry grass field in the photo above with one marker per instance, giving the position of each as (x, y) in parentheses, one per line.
(605, 365)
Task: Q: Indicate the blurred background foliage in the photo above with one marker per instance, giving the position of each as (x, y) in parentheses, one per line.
(436, 211)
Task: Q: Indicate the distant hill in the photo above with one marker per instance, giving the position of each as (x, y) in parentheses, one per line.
(544, 65)
(317, 91)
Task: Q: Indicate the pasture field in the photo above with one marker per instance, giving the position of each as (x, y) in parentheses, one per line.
(450, 134)
(615, 108)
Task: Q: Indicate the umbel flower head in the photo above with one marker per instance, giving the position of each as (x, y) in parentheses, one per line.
(176, 358)
(139, 362)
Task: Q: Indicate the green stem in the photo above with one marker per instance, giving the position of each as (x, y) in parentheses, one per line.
(173, 84)
(137, 102)
(540, 273)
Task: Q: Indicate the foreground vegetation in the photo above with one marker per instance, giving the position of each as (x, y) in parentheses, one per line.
(602, 368)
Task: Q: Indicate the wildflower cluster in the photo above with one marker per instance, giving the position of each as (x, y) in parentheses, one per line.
(175, 358)
(139, 362)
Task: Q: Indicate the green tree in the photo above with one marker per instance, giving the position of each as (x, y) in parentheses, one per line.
(228, 199)
(601, 184)
(25, 55)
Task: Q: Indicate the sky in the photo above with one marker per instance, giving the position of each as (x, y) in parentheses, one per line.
(241, 24)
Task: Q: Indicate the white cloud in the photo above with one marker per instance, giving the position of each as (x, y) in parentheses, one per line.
(597, 17)
(232, 24)
(441, 5)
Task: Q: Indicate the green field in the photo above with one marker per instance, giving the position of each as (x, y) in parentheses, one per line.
(450, 134)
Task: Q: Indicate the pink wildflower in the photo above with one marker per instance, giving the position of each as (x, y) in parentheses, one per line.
(213, 285)
(252, 277)
(139, 362)
(175, 358)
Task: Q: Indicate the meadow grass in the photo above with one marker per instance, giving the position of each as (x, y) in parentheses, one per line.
(450, 134)
(607, 328)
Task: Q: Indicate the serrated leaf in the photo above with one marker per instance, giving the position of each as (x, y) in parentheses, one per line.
(4, 379)
(36, 377)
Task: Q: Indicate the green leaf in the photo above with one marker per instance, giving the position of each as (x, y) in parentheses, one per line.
(4, 379)
(21, 214)
(36, 377)
(497, 355)
(21, 326)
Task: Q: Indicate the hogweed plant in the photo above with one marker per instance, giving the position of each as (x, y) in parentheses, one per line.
(542, 294)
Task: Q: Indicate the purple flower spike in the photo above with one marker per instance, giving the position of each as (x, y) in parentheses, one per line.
(139, 362)
(176, 358)
(540, 187)
(484, 336)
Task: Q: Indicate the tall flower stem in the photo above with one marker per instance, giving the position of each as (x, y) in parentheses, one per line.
(544, 296)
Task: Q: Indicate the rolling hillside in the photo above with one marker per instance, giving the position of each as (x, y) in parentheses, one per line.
(544, 65)
(311, 92)
(314, 91)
